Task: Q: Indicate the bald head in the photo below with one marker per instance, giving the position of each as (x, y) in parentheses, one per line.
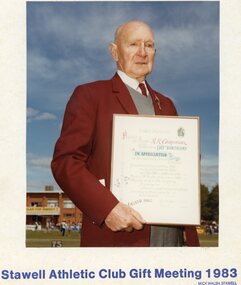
(132, 25)
(134, 49)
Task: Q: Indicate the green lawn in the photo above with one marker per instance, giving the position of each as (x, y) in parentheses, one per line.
(44, 239)
(208, 240)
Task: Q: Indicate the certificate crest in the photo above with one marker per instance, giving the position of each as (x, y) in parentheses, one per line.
(181, 132)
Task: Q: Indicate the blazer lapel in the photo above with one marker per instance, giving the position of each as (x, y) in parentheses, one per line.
(123, 95)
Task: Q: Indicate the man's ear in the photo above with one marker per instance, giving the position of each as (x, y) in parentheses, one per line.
(113, 51)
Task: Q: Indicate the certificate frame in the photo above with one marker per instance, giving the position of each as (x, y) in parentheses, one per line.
(155, 167)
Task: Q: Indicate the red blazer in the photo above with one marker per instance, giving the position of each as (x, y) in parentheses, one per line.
(82, 157)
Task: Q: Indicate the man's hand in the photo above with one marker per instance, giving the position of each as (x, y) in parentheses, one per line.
(124, 218)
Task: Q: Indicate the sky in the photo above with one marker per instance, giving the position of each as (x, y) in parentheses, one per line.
(67, 45)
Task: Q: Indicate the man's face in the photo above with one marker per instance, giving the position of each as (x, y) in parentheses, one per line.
(134, 50)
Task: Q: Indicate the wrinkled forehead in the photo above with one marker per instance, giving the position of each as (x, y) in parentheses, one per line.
(140, 32)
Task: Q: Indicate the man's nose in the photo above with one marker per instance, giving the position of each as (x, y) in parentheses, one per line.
(142, 50)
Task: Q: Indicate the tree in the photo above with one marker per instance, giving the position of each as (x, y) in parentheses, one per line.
(213, 202)
(205, 209)
(209, 203)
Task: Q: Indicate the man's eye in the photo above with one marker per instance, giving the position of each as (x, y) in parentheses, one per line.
(149, 45)
(133, 44)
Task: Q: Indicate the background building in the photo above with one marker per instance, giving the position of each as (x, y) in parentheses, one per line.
(50, 207)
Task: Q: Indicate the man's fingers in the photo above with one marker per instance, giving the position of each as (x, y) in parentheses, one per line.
(129, 229)
(136, 224)
(123, 217)
(138, 216)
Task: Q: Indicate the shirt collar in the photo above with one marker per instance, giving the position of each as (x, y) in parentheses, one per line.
(133, 83)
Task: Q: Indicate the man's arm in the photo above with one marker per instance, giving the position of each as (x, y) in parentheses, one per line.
(72, 152)
(70, 166)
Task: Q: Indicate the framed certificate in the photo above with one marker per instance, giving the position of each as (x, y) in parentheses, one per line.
(156, 167)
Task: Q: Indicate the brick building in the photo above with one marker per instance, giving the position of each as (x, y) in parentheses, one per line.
(51, 205)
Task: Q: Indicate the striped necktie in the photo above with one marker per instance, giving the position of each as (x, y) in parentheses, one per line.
(143, 89)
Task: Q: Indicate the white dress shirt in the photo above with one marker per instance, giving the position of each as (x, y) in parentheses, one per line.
(133, 83)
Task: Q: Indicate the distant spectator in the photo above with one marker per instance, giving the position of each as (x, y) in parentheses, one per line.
(208, 230)
(36, 226)
(63, 227)
(47, 226)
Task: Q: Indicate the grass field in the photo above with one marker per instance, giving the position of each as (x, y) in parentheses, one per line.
(44, 239)
(208, 240)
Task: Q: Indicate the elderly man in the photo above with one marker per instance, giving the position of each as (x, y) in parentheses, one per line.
(82, 158)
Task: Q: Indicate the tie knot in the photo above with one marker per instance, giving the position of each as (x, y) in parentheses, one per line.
(143, 89)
